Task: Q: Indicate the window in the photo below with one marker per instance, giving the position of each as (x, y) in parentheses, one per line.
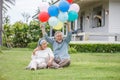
(98, 17)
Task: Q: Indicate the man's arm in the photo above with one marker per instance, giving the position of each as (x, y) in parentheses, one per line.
(69, 34)
(45, 34)
(43, 29)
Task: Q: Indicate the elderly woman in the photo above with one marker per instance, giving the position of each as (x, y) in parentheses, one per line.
(42, 57)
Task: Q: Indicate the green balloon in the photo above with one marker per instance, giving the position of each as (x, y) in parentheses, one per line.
(72, 15)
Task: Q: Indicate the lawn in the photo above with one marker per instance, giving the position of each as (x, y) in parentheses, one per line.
(84, 66)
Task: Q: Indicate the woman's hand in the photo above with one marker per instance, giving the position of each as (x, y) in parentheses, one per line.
(36, 49)
(49, 63)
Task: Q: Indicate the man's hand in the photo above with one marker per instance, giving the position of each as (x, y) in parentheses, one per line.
(67, 23)
(68, 26)
(42, 26)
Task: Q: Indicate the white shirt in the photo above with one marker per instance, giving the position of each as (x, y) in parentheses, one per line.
(43, 55)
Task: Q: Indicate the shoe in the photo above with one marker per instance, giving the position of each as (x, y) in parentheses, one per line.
(27, 68)
(33, 69)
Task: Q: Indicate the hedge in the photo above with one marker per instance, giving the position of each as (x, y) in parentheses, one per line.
(74, 48)
(102, 48)
(33, 45)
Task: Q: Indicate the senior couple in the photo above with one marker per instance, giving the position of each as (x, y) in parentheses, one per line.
(43, 57)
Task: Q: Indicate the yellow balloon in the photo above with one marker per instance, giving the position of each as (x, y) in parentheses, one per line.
(58, 26)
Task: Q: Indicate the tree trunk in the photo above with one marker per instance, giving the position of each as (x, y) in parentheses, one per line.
(1, 1)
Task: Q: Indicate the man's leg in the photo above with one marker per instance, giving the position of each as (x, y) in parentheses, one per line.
(64, 63)
(54, 65)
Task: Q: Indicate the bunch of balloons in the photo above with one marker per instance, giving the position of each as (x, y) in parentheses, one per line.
(57, 15)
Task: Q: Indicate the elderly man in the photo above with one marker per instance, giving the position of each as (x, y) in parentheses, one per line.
(60, 46)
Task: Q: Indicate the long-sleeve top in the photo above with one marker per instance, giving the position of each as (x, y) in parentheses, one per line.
(60, 50)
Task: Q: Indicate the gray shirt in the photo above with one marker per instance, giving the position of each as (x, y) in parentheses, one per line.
(60, 50)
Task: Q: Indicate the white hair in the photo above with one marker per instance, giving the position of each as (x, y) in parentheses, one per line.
(57, 32)
(41, 41)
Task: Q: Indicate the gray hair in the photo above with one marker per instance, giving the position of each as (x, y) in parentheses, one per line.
(57, 33)
(41, 41)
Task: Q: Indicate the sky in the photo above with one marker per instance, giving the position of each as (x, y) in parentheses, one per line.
(21, 6)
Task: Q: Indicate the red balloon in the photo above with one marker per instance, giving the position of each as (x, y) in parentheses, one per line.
(43, 16)
(70, 1)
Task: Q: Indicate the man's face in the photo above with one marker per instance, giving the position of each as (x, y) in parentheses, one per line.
(59, 37)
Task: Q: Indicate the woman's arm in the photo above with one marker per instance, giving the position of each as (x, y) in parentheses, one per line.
(36, 49)
(50, 61)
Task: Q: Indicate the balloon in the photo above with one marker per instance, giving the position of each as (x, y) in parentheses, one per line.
(53, 21)
(58, 26)
(43, 16)
(70, 1)
(72, 15)
(44, 6)
(53, 10)
(64, 6)
(74, 7)
(63, 16)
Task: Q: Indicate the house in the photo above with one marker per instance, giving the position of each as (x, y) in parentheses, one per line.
(99, 20)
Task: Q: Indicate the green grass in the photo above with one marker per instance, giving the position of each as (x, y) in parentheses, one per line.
(84, 66)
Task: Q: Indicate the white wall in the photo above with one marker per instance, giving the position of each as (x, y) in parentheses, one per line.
(114, 16)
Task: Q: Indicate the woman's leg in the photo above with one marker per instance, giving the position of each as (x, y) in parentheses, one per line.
(33, 65)
(42, 66)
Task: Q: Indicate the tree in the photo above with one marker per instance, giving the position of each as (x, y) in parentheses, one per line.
(4, 5)
(26, 17)
(1, 2)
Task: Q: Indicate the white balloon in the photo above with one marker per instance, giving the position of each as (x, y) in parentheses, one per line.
(74, 7)
(53, 21)
(63, 16)
(44, 6)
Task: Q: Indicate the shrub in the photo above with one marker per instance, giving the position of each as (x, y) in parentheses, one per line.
(32, 45)
(104, 48)
(72, 50)
(4, 48)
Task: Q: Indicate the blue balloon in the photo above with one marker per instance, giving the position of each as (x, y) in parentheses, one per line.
(72, 15)
(63, 16)
(53, 10)
(64, 6)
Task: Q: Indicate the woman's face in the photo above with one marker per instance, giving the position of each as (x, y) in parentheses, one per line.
(59, 37)
(44, 45)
